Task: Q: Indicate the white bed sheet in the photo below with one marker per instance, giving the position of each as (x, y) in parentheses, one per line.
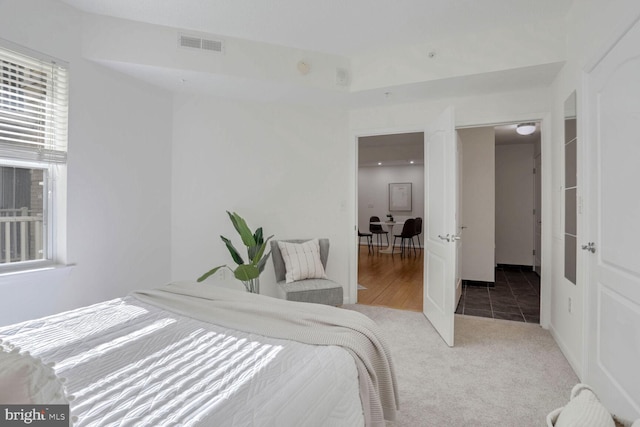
(128, 363)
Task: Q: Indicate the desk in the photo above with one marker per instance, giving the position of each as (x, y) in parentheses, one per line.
(389, 226)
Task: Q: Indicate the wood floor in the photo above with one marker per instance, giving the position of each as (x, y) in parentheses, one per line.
(391, 281)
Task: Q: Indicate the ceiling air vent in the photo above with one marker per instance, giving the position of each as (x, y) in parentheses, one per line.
(195, 42)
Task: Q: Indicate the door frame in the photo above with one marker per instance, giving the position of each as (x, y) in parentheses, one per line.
(546, 151)
(352, 293)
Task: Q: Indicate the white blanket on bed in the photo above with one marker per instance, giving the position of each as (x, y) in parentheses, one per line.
(302, 322)
(130, 363)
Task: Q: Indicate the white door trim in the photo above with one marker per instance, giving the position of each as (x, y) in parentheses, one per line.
(352, 292)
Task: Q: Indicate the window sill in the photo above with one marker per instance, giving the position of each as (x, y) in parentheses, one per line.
(36, 267)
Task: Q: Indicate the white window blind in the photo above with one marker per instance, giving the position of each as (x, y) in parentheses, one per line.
(33, 108)
(33, 155)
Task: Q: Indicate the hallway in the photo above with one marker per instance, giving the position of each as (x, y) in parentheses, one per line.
(516, 296)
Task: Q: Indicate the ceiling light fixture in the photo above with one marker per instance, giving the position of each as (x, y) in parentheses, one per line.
(526, 128)
(411, 161)
(379, 163)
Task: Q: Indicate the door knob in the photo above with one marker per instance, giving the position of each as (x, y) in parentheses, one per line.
(591, 247)
(449, 237)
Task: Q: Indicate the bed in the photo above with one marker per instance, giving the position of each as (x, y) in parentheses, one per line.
(198, 355)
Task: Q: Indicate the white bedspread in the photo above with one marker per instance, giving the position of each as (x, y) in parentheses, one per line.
(303, 322)
(130, 363)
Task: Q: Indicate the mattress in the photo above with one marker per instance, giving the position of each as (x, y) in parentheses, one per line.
(130, 363)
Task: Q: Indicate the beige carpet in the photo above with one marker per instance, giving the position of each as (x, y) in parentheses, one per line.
(499, 373)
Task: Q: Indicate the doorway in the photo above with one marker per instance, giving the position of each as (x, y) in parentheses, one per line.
(390, 280)
(501, 210)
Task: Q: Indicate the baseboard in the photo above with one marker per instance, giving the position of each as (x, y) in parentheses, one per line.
(516, 267)
(478, 283)
(573, 362)
(384, 246)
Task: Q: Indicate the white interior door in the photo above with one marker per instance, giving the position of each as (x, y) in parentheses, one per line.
(440, 258)
(613, 220)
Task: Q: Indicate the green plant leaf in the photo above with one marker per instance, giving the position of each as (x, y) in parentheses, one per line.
(257, 236)
(242, 228)
(246, 272)
(210, 273)
(256, 247)
(263, 262)
(251, 252)
(234, 252)
(256, 257)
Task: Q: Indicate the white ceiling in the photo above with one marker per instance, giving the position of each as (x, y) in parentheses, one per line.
(332, 26)
(348, 28)
(391, 150)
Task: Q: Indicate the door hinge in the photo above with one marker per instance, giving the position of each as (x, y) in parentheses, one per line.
(534, 211)
(534, 171)
(534, 251)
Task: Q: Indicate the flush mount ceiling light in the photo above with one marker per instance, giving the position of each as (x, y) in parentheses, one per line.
(526, 128)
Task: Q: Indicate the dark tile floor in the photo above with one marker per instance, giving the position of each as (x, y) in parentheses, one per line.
(516, 296)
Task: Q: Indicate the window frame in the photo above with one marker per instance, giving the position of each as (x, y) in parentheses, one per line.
(54, 164)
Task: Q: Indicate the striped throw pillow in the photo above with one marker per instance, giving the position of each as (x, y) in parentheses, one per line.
(302, 260)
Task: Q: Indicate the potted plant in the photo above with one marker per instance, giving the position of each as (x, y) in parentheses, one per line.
(248, 273)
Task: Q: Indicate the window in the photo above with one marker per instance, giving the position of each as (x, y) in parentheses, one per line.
(33, 155)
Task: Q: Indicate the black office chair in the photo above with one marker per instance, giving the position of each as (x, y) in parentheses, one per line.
(369, 237)
(406, 237)
(418, 231)
(378, 231)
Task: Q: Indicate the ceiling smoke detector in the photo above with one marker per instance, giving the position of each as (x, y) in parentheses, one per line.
(303, 67)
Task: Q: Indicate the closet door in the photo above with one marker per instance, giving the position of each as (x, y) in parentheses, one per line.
(612, 250)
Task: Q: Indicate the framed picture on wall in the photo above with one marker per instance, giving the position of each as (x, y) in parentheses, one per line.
(400, 196)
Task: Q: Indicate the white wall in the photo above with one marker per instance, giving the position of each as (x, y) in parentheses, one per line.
(591, 26)
(118, 220)
(373, 193)
(491, 108)
(478, 204)
(282, 168)
(514, 204)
